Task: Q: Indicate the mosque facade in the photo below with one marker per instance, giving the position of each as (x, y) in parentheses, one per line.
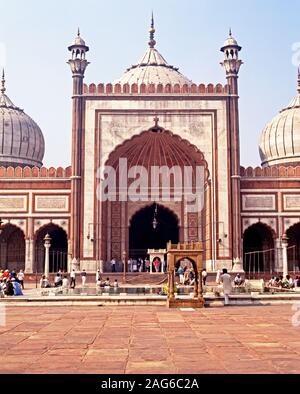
(152, 118)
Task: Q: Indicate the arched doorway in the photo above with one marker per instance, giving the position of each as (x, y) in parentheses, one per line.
(293, 234)
(58, 249)
(143, 235)
(149, 167)
(12, 248)
(259, 253)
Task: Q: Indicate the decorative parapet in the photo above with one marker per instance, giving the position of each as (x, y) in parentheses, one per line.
(126, 89)
(272, 172)
(27, 172)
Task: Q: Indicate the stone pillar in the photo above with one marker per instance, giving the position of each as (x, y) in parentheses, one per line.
(47, 245)
(69, 256)
(278, 256)
(29, 255)
(284, 243)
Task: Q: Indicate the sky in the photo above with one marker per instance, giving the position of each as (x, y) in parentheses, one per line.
(34, 36)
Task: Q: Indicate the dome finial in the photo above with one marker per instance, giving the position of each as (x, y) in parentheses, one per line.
(78, 32)
(298, 88)
(152, 41)
(3, 88)
(230, 32)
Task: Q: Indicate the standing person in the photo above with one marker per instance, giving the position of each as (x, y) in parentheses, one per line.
(83, 277)
(218, 278)
(135, 266)
(20, 278)
(13, 274)
(181, 275)
(113, 265)
(65, 284)
(73, 279)
(129, 264)
(157, 264)
(227, 285)
(204, 276)
(147, 265)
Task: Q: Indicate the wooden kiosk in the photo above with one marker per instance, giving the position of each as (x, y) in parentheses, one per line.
(194, 253)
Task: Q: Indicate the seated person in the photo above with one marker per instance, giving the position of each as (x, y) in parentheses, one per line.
(17, 288)
(57, 280)
(238, 281)
(9, 289)
(288, 282)
(278, 282)
(107, 283)
(44, 283)
(271, 282)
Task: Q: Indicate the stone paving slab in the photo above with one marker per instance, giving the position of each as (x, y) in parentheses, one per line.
(153, 339)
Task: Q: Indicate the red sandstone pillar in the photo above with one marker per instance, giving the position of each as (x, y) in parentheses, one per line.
(232, 66)
(78, 64)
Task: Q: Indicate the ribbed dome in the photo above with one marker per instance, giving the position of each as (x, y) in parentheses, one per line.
(21, 140)
(153, 68)
(280, 140)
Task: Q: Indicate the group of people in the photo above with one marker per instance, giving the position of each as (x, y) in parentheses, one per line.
(138, 265)
(61, 280)
(284, 283)
(186, 275)
(105, 284)
(11, 283)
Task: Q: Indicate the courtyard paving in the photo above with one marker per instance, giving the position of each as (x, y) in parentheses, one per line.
(118, 340)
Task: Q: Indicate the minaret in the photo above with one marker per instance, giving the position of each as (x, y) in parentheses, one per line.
(232, 65)
(78, 64)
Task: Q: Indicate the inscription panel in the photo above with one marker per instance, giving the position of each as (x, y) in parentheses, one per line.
(291, 202)
(259, 202)
(13, 204)
(51, 203)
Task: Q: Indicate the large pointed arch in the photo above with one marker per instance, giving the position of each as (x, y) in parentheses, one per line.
(12, 247)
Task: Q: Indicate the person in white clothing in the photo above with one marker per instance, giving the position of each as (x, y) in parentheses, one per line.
(83, 277)
(20, 278)
(73, 279)
(227, 285)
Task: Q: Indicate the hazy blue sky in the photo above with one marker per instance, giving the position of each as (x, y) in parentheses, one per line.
(189, 35)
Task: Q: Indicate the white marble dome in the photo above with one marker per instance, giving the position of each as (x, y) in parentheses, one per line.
(21, 140)
(280, 140)
(153, 68)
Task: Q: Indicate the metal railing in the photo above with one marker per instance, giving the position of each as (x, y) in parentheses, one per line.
(261, 262)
